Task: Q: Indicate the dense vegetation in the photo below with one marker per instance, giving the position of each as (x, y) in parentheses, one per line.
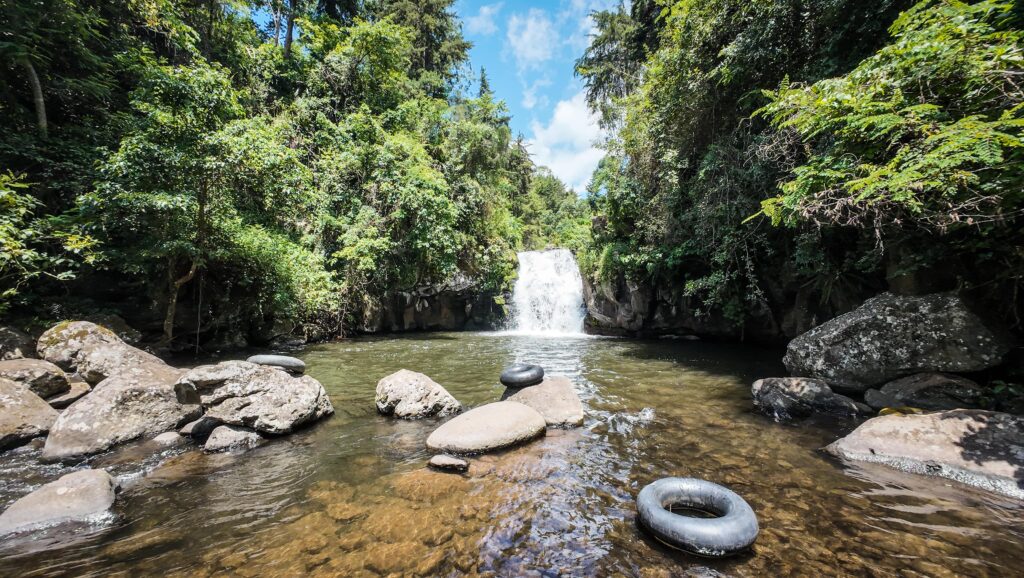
(781, 151)
(252, 164)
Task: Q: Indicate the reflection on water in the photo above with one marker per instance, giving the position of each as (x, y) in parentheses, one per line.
(350, 496)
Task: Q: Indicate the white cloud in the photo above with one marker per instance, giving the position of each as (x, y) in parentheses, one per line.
(577, 15)
(532, 39)
(483, 23)
(568, 143)
(531, 94)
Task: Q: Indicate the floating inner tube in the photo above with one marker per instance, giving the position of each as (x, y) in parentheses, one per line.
(732, 531)
(521, 375)
(289, 364)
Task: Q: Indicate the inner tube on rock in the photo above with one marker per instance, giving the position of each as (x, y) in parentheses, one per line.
(522, 375)
(733, 531)
(289, 364)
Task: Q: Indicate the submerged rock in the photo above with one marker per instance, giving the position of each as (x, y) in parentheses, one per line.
(412, 395)
(40, 377)
(554, 398)
(450, 463)
(489, 427)
(263, 398)
(891, 336)
(75, 496)
(289, 364)
(61, 343)
(23, 415)
(229, 437)
(984, 449)
(79, 389)
(788, 398)
(930, 391)
(132, 404)
(15, 345)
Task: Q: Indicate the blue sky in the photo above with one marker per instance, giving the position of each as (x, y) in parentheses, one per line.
(528, 49)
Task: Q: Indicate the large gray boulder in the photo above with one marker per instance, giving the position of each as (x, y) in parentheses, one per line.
(41, 377)
(489, 427)
(61, 343)
(23, 415)
(930, 391)
(98, 361)
(14, 344)
(891, 336)
(412, 395)
(75, 496)
(264, 398)
(789, 398)
(133, 403)
(554, 398)
(229, 437)
(984, 449)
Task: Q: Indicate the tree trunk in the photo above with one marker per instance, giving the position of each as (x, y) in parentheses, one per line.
(289, 29)
(37, 95)
(277, 24)
(172, 300)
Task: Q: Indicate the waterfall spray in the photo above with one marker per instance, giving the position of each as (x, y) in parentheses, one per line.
(548, 295)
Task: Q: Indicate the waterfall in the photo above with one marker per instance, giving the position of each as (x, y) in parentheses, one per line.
(548, 295)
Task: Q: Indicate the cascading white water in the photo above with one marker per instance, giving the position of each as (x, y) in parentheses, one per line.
(548, 295)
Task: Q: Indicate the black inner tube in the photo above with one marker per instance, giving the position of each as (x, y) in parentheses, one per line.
(522, 375)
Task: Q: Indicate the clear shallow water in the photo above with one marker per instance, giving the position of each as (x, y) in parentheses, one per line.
(351, 497)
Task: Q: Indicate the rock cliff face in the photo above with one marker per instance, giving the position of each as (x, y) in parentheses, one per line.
(433, 308)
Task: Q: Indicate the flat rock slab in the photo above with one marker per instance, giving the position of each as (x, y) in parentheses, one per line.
(76, 496)
(448, 463)
(289, 364)
(41, 377)
(23, 415)
(229, 437)
(555, 398)
(79, 389)
(489, 427)
(929, 391)
(984, 449)
(411, 395)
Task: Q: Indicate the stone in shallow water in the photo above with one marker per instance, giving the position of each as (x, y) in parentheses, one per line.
(984, 449)
(41, 377)
(890, 336)
(930, 391)
(76, 496)
(787, 398)
(229, 437)
(23, 415)
(451, 463)
(489, 427)
(169, 439)
(554, 398)
(412, 395)
(200, 428)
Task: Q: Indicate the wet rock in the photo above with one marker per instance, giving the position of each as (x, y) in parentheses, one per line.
(260, 397)
(15, 345)
(98, 361)
(289, 364)
(201, 428)
(891, 336)
(488, 427)
(62, 342)
(554, 398)
(76, 496)
(170, 439)
(134, 403)
(451, 463)
(40, 377)
(984, 449)
(929, 391)
(229, 437)
(789, 398)
(79, 389)
(412, 395)
(23, 415)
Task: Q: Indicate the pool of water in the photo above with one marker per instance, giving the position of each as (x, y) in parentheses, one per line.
(350, 496)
